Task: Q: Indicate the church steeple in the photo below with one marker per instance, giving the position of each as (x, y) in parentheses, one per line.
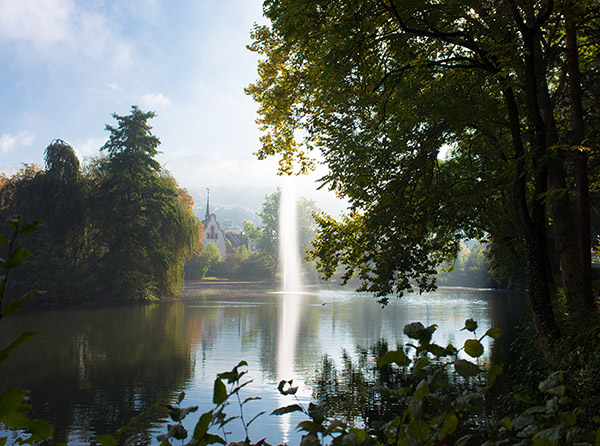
(207, 204)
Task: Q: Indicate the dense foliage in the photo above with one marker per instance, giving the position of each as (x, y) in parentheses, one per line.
(266, 236)
(258, 257)
(120, 229)
(381, 87)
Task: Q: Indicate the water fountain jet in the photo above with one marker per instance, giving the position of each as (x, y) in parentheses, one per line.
(291, 287)
(288, 239)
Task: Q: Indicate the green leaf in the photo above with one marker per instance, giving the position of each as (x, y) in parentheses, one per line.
(507, 424)
(494, 333)
(16, 257)
(450, 349)
(21, 339)
(524, 398)
(542, 441)
(470, 403)
(466, 368)
(181, 397)
(185, 411)
(418, 429)
(416, 330)
(550, 386)
(473, 348)
(361, 435)
(568, 418)
(13, 307)
(176, 413)
(3, 239)
(290, 390)
(449, 425)
(470, 325)
(422, 362)
(14, 221)
(29, 228)
(436, 350)
(11, 401)
(106, 440)
(495, 370)
(335, 424)
(310, 426)
(227, 421)
(394, 356)
(422, 390)
(220, 392)
(41, 430)
(287, 409)
(318, 412)
(211, 439)
(202, 425)
(255, 417)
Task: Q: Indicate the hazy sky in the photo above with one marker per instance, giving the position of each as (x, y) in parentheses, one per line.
(67, 65)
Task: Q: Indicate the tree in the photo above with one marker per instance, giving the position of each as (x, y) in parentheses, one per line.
(63, 194)
(379, 87)
(145, 223)
(202, 262)
(266, 236)
(120, 229)
(54, 195)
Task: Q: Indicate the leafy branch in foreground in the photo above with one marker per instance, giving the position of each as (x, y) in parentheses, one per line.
(443, 398)
(426, 394)
(15, 409)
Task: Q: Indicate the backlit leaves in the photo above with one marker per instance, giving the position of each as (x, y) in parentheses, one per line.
(473, 348)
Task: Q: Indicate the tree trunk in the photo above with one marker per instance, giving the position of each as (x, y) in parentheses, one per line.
(565, 227)
(534, 233)
(537, 282)
(582, 182)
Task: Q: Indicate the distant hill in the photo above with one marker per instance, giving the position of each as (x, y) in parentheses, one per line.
(226, 206)
(232, 217)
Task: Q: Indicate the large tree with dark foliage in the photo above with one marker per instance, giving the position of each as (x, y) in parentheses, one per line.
(121, 230)
(143, 224)
(380, 87)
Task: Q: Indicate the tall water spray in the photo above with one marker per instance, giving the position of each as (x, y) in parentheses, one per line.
(289, 258)
(288, 238)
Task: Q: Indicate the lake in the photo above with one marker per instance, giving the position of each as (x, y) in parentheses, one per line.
(92, 370)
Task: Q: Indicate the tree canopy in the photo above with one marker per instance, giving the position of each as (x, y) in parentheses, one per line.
(121, 229)
(266, 236)
(380, 88)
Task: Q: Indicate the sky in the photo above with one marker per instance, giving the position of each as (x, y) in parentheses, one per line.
(68, 65)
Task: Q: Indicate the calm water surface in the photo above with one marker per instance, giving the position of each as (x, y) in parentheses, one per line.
(92, 371)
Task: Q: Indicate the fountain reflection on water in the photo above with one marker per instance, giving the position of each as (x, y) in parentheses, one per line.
(291, 297)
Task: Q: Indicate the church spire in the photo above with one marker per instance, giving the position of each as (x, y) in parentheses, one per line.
(207, 204)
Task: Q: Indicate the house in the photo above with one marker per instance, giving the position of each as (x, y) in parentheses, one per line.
(226, 241)
(212, 230)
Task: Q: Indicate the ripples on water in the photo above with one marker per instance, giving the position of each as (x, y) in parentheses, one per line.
(91, 371)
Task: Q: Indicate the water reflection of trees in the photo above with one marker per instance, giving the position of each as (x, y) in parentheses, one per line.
(255, 318)
(92, 371)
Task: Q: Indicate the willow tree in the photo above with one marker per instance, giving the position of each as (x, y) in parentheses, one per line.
(55, 196)
(380, 87)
